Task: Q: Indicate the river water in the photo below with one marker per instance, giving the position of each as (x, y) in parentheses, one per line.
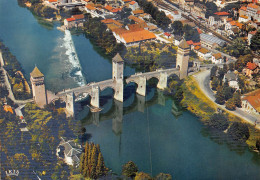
(144, 130)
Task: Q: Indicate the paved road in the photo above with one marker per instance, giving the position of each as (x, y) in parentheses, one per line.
(203, 79)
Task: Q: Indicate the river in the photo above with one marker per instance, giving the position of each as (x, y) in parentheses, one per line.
(143, 130)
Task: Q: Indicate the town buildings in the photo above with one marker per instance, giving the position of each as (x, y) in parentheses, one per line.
(251, 102)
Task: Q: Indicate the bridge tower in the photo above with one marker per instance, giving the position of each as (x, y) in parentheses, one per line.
(118, 77)
(38, 87)
(70, 103)
(183, 58)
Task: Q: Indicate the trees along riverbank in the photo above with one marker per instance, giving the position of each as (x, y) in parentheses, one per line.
(236, 133)
(20, 86)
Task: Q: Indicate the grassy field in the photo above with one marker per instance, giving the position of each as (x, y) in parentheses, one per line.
(199, 104)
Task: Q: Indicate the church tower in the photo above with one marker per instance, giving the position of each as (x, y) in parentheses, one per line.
(118, 77)
(38, 87)
(183, 58)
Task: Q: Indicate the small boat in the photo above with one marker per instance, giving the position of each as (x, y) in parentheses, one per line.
(94, 109)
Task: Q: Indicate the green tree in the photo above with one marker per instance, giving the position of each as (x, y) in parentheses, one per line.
(142, 176)
(191, 33)
(218, 121)
(255, 42)
(231, 66)
(220, 97)
(163, 176)
(129, 169)
(213, 72)
(230, 104)
(239, 131)
(214, 83)
(237, 98)
(211, 9)
(257, 144)
(177, 27)
(225, 68)
(241, 62)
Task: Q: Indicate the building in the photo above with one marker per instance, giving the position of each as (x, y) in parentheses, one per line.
(251, 68)
(177, 40)
(252, 10)
(38, 87)
(251, 102)
(210, 41)
(8, 108)
(217, 58)
(243, 18)
(69, 23)
(133, 5)
(69, 151)
(183, 58)
(231, 78)
(203, 53)
(250, 35)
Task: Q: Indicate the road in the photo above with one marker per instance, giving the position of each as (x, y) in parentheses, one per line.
(203, 79)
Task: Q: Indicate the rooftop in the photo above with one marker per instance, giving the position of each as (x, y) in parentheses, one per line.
(211, 39)
(136, 36)
(118, 58)
(222, 13)
(217, 56)
(230, 76)
(36, 73)
(184, 45)
(204, 51)
(254, 99)
(254, 6)
(78, 16)
(70, 19)
(251, 66)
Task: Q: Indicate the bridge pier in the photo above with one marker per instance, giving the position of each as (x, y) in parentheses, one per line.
(140, 103)
(162, 84)
(141, 89)
(70, 102)
(118, 118)
(95, 118)
(95, 96)
(160, 97)
(119, 90)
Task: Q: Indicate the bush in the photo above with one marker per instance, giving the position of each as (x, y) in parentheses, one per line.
(129, 169)
(218, 121)
(239, 131)
(143, 176)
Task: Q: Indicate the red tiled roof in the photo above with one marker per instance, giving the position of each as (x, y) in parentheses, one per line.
(254, 6)
(53, 0)
(138, 11)
(78, 16)
(251, 66)
(167, 34)
(199, 31)
(8, 108)
(190, 42)
(197, 47)
(222, 13)
(109, 8)
(132, 2)
(90, 7)
(136, 36)
(253, 32)
(254, 99)
(70, 19)
(196, 44)
(243, 8)
(111, 21)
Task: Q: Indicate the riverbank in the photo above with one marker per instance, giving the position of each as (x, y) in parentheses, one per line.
(203, 107)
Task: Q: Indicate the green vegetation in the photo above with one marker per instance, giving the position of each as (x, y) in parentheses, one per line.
(238, 48)
(239, 131)
(255, 42)
(218, 121)
(186, 30)
(92, 163)
(19, 84)
(159, 16)
(129, 169)
(96, 31)
(143, 176)
(150, 56)
(163, 176)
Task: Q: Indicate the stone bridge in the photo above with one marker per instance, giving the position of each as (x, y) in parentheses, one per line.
(141, 79)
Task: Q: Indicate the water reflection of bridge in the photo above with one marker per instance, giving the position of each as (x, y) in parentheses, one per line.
(117, 110)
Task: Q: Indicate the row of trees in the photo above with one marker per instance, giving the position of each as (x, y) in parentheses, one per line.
(159, 16)
(225, 94)
(130, 170)
(19, 85)
(92, 163)
(96, 30)
(237, 131)
(186, 30)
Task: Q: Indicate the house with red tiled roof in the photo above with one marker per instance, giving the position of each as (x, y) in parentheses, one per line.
(217, 58)
(252, 10)
(243, 18)
(242, 11)
(69, 23)
(167, 34)
(204, 54)
(251, 102)
(251, 68)
(133, 5)
(250, 35)
(8, 108)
